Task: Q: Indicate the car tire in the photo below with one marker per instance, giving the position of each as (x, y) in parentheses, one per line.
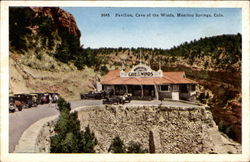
(20, 108)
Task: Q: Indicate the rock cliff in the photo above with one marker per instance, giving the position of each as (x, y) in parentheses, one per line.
(37, 35)
(62, 19)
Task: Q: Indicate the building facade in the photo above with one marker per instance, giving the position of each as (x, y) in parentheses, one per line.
(144, 83)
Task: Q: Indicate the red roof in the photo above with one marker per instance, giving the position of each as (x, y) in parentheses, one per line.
(113, 78)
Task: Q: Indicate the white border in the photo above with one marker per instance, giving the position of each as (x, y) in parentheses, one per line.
(5, 156)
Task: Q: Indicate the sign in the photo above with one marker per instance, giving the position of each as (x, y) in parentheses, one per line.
(140, 71)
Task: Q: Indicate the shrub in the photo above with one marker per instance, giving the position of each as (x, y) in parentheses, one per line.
(104, 70)
(69, 138)
(88, 141)
(118, 146)
(135, 147)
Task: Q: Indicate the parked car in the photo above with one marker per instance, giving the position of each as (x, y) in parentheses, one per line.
(26, 100)
(111, 100)
(39, 97)
(128, 97)
(35, 99)
(93, 95)
(122, 99)
(12, 106)
(14, 103)
(45, 98)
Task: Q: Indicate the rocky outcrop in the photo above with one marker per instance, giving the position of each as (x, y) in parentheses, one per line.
(62, 19)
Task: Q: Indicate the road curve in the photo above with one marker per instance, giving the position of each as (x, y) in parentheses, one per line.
(19, 121)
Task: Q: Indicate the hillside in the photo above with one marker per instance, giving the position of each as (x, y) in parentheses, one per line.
(46, 55)
(214, 62)
(37, 40)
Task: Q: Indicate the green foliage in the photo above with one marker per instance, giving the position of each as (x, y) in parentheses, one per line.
(69, 145)
(19, 19)
(224, 49)
(227, 45)
(118, 146)
(89, 141)
(104, 70)
(135, 147)
(69, 138)
(21, 22)
(63, 105)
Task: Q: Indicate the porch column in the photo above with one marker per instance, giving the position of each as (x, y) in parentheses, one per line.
(156, 92)
(126, 87)
(141, 90)
(114, 89)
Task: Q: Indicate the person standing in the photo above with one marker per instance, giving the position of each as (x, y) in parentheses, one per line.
(50, 100)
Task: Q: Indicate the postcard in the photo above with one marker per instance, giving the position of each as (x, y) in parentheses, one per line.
(125, 81)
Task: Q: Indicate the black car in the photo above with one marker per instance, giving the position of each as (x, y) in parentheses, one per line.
(26, 99)
(122, 99)
(91, 94)
(39, 97)
(128, 97)
(111, 100)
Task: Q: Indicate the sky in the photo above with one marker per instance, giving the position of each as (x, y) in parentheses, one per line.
(152, 31)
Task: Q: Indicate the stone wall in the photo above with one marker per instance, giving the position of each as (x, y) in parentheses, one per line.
(159, 129)
(43, 138)
(36, 138)
(173, 129)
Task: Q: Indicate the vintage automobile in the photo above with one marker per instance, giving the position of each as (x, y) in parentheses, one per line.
(45, 98)
(26, 100)
(93, 95)
(111, 100)
(122, 99)
(14, 103)
(128, 97)
(38, 96)
(35, 99)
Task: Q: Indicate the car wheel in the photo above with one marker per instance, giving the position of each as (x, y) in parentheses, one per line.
(20, 108)
(11, 110)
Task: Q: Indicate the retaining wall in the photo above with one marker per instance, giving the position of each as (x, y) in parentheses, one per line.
(160, 129)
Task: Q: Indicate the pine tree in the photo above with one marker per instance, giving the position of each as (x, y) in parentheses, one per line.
(69, 138)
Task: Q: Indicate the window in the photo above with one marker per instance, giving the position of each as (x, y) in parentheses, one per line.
(165, 87)
(175, 88)
(193, 87)
(183, 88)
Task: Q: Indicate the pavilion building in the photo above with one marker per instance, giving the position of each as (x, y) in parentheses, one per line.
(144, 83)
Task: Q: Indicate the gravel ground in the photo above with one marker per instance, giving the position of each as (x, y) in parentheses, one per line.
(21, 120)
